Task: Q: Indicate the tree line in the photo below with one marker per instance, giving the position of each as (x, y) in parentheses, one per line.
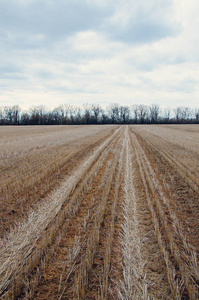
(95, 114)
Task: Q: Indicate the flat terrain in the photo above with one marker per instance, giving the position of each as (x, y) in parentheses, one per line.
(99, 212)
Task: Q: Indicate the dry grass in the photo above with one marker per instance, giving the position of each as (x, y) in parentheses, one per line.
(35, 159)
(103, 212)
(134, 285)
(171, 223)
(20, 243)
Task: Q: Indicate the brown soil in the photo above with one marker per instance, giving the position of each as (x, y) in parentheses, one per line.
(28, 179)
(127, 227)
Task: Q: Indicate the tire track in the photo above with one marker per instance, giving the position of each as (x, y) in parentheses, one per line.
(144, 273)
(26, 181)
(100, 279)
(57, 275)
(185, 211)
(110, 231)
(21, 252)
(188, 175)
(179, 215)
(81, 277)
(178, 267)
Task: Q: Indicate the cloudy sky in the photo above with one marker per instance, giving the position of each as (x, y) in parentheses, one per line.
(54, 52)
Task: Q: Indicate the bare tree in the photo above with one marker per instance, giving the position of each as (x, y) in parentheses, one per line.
(87, 113)
(167, 114)
(104, 117)
(8, 116)
(113, 110)
(11, 115)
(94, 114)
(196, 115)
(71, 113)
(25, 118)
(75, 115)
(154, 110)
(124, 113)
(58, 115)
(186, 113)
(177, 112)
(2, 120)
(96, 109)
(142, 113)
(16, 114)
(37, 114)
(135, 109)
(182, 114)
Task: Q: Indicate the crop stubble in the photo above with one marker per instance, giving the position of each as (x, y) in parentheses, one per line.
(121, 223)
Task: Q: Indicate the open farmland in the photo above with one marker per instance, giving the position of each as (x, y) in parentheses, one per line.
(99, 212)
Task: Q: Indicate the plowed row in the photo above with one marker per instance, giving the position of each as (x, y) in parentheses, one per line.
(121, 222)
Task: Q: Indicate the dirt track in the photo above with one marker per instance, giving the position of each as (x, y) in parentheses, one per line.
(122, 225)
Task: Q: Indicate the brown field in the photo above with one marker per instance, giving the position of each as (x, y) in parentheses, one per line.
(99, 212)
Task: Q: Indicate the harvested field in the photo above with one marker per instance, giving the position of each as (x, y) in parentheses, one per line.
(99, 212)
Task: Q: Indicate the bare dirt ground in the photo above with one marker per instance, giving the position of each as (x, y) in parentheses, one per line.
(34, 160)
(99, 212)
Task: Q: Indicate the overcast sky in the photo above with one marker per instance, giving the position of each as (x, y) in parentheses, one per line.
(54, 52)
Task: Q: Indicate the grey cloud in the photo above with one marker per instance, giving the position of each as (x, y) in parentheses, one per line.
(57, 87)
(51, 19)
(11, 71)
(42, 23)
(9, 68)
(185, 86)
(142, 31)
(44, 74)
(149, 22)
(154, 61)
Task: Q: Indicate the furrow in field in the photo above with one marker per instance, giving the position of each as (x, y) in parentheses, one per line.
(157, 225)
(143, 264)
(176, 181)
(179, 260)
(183, 209)
(82, 276)
(38, 173)
(116, 258)
(180, 208)
(102, 281)
(189, 174)
(56, 274)
(26, 245)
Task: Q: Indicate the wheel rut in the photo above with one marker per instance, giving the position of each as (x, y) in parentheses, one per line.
(115, 228)
(48, 218)
(179, 256)
(143, 263)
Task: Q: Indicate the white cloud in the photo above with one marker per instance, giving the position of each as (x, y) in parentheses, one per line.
(54, 52)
